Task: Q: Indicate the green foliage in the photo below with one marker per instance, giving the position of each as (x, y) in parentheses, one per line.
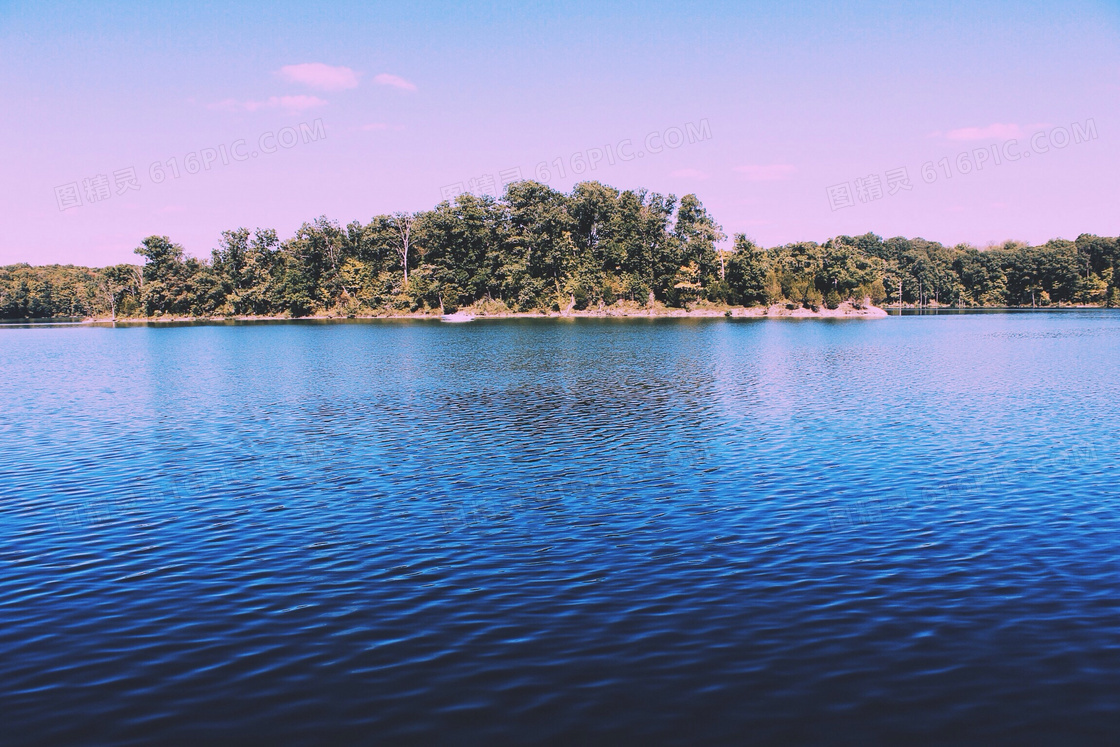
(874, 291)
(749, 276)
(51, 290)
(537, 249)
(687, 285)
(696, 234)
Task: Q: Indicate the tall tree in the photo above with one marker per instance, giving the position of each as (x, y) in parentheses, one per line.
(402, 224)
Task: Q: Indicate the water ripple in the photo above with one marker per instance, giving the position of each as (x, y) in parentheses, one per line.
(681, 530)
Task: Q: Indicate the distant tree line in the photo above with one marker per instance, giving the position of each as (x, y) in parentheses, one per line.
(540, 249)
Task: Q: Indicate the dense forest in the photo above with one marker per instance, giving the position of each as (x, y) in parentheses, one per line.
(540, 249)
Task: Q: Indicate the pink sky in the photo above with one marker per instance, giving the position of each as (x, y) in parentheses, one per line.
(400, 106)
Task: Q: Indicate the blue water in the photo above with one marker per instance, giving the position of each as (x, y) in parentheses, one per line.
(901, 530)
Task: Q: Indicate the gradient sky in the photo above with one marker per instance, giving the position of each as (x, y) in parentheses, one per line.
(415, 98)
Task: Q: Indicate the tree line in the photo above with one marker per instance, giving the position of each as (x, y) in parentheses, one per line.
(538, 249)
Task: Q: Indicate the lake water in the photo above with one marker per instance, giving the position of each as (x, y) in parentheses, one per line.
(900, 530)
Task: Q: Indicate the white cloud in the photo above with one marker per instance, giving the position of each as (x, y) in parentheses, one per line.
(321, 76)
(995, 131)
(771, 172)
(385, 79)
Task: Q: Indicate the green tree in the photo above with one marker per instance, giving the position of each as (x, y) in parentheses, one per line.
(539, 241)
(536, 248)
(696, 234)
(166, 277)
(748, 273)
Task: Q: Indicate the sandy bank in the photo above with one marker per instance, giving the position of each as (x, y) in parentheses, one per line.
(845, 310)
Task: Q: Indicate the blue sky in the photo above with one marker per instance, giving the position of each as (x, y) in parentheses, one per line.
(798, 99)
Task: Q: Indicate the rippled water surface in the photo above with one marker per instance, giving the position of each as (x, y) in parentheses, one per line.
(900, 530)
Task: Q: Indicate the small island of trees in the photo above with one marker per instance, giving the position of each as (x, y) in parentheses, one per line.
(538, 249)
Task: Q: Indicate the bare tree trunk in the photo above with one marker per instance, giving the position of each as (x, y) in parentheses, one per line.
(110, 296)
(403, 222)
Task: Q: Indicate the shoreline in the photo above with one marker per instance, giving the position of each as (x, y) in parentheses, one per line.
(844, 311)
